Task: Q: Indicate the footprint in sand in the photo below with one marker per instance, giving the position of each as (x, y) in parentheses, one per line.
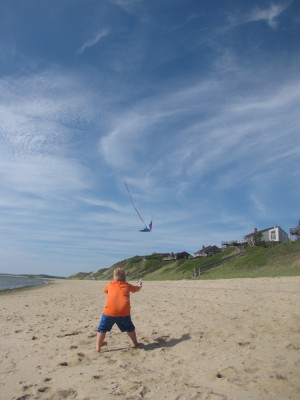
(251, 370)
(215, 396)
(63, 364)
(293, 346)
(278, 376)
(243, 344)
(66, 394)
(80, 356)
(69, 334)
(228, 373)
(43, 389)
(26, 387)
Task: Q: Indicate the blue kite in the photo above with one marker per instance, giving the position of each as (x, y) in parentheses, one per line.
(147, 228)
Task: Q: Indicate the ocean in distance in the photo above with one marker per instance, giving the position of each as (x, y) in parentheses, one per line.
(17, 281)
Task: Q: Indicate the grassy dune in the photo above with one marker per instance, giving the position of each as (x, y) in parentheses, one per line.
(252, 262)
(281, 260)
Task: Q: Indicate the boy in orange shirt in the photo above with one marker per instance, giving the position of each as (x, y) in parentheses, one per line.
(117, 308)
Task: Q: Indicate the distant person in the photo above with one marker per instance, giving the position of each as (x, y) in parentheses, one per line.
(117, 308)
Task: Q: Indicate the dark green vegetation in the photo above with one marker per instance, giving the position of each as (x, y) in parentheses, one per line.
(250, 262)
(42, 276)
(81, 275)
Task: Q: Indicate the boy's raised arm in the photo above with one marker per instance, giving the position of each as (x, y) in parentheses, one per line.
(137, 287)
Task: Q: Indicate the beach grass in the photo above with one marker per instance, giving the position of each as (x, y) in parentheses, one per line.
(254, 262)
(249, 262)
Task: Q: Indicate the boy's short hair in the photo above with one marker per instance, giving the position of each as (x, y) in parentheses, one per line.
(119, 275)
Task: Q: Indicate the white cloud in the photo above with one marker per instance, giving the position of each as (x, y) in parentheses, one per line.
(103, 204)
(209, 136)
(126, 4)
(269, 15)
(134, 7)
(127, 141)
(92, 42)
(43, 175)
(38, 117)
(231, 123)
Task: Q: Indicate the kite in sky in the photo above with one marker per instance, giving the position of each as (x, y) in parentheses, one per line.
(147, 228)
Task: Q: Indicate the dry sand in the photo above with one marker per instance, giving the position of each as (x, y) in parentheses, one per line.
(227, 339)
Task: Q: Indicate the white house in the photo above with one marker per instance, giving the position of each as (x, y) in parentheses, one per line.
(274, 234)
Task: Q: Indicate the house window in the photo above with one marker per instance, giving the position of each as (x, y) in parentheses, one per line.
(273, 235)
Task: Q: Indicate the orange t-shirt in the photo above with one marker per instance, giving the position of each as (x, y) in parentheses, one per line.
(118, 298)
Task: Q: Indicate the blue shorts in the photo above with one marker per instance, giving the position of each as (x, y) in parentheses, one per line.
(124, 324)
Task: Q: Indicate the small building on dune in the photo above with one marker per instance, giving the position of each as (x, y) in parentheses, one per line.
(296, 231)
(207, 251)
(274, 234)
(183, 255)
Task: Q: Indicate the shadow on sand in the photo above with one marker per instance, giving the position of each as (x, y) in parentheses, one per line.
(163, 341)
(160, 342)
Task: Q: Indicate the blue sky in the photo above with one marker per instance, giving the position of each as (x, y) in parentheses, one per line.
(195, 104)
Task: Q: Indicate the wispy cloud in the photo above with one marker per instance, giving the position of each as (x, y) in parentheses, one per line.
(127, 141)
(219, 144)
(134, 7)
(126, 4)
(102, 204)
(47, 189)
(35, 134)
(270, 15)
(93, 41)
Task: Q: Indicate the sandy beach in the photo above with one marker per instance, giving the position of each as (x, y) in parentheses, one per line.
(215, 340)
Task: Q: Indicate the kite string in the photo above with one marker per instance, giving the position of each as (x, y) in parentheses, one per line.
(135, 206)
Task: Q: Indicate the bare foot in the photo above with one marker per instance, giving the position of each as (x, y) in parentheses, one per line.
(137, 345)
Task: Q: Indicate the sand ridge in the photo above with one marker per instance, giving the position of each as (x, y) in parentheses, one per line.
(212, 340)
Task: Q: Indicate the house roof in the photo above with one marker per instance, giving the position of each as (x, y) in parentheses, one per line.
(182, 252)
(207, 248)
(265, 230)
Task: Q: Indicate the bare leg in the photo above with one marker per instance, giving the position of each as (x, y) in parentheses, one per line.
(100, 340)
(132, 336)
